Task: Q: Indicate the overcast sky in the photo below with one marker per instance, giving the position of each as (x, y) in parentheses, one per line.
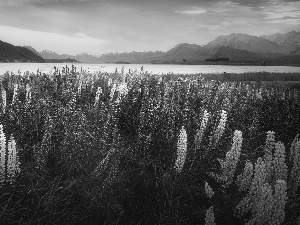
(102, 26)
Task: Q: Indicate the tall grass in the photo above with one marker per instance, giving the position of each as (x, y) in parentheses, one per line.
(135, 148)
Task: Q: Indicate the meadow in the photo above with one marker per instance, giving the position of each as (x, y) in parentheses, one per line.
(136, 148)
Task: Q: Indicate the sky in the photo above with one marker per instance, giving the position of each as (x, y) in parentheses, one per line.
(102, 26)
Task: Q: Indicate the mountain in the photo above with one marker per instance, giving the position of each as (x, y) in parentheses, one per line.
(236, 54)
(290, 41)
(53, 55)
(132, 57)
(235, 47)
(85, 58)
(11, 53)
(187, 52)
(248, 43)
(296, 51)
(33, 50)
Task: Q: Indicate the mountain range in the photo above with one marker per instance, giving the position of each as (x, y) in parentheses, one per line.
(232, 48)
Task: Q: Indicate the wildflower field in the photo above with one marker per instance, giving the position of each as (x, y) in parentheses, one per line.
(135, 148)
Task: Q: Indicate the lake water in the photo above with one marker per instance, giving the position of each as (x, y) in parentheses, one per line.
(151, 68)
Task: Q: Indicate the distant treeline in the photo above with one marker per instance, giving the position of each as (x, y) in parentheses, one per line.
(217, 60)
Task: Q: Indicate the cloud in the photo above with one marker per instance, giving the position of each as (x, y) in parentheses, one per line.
(141, 25)
(195, 11)
(51, 41)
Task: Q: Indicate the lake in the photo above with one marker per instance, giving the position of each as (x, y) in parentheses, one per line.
(151, 68)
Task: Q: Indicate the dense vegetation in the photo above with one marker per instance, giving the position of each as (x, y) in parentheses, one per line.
(80, 148)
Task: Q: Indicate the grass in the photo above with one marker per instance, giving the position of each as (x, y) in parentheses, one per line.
(112, 161)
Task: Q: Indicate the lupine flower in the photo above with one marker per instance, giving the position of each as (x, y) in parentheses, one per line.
(2, 155)
(221, 127)
(266, 207)
(280, 168)
(294, 181)
(280, 199)
(28, 94)
(262, 206)
(247, 203)
(210, 217)
(123, 89)
(109, 81)
(199, 135)
(268, 157)
(98, 93)
(244, 180)
(259, 175)
(259, 94)
(112, 91)
(79, 88)
(13, 164)
(244, 206)
(181, 150)
(208, 190)
(3, 99)
(16, 87)
(232, 157)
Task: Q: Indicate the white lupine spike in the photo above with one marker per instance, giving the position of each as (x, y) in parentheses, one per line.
(269, 149)
(112, 91)
(208, 190)
(181, 150)
(244, 179)
(28, 93)
(3, 99)
(221, 127)
(13, 164)
(123, 89)
(79, 87)
(98, 93)
(294, 180)
(210, 217)
(16, 87)
(280, 167)
(201, 130)
(2, 155)
(232, 157)
(259, 175)
(280, 199)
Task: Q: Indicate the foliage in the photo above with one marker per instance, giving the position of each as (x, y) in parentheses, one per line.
(135, 148)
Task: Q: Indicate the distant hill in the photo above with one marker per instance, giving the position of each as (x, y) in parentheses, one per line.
(290, 41)
(11, 53)
(33, 50)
